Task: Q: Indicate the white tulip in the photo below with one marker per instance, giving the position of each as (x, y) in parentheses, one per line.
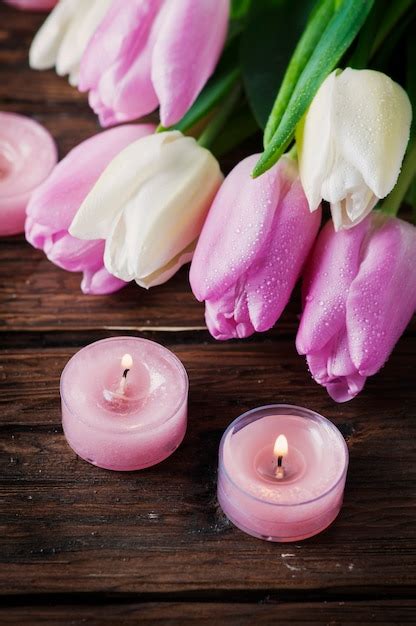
(351, 143)
(149, 205)
(64, 35)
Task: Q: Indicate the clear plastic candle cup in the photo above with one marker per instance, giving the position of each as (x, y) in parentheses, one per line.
(282, 472)
(124, 403)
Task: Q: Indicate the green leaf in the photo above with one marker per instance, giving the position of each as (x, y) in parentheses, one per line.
(272, 30)
(410, 199)
(239, 9)
(336, 39)
(219, 120)
(240, 127)
(387, 58)
(405, 188)
(393, 14)
(363, 49)
(306, 45)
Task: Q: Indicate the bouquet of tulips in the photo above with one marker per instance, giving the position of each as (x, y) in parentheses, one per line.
(330, 85)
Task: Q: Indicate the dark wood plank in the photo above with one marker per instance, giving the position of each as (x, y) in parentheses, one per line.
(69, 526)
(178, 613)
(74, 536)
(35, 295)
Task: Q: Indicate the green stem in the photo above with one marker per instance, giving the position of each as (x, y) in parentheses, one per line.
(391, 204)
(219, 120)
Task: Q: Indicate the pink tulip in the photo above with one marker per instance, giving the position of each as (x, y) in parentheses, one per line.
(53, 205)
(32, 5)
(359, 295)
(148, 53)
(252, 248)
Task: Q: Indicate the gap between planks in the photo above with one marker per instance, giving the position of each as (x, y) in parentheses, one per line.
(222, 596)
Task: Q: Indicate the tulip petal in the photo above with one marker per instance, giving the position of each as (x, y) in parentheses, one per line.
(332, 368)
(350, 335)
(100, 210)
(116, 65)
(124, 27)
(100, 282)
(189, 29)
(346, 388)
(314, 139)
(163, 274)
(55, 202)
(116, 98)
(73, 254)
(84, 20)
(227, 317)
(236, 228)
(45, 45)
(150, 204)
(252, 249)
(332, 268)
(353, 209)
(273, 275)
(171, 197)
(64, 36)
(372, 126)
(352, 142)
(382, 297)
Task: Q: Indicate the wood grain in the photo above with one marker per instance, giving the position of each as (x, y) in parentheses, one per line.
(82, 545)
(43, 297)
(233, 614)
(67, 524)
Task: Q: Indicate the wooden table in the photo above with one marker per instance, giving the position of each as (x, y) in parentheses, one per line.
(83, 545)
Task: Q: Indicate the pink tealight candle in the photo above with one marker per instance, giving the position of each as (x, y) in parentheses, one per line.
(282, 472)
(27, 156)
(32, 5)
(124, 403)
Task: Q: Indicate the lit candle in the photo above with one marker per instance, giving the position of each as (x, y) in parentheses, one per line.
(124, 403)
(282, 472)
(27, 156)
(280, 450)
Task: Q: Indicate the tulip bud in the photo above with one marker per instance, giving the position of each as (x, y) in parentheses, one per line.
(352, 141)
(144, 48)
(252, 248)
(149, 205)
(359, 294)
(54, 204)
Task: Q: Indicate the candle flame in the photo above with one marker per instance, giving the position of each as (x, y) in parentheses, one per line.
(280, 446)
(126, 362)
